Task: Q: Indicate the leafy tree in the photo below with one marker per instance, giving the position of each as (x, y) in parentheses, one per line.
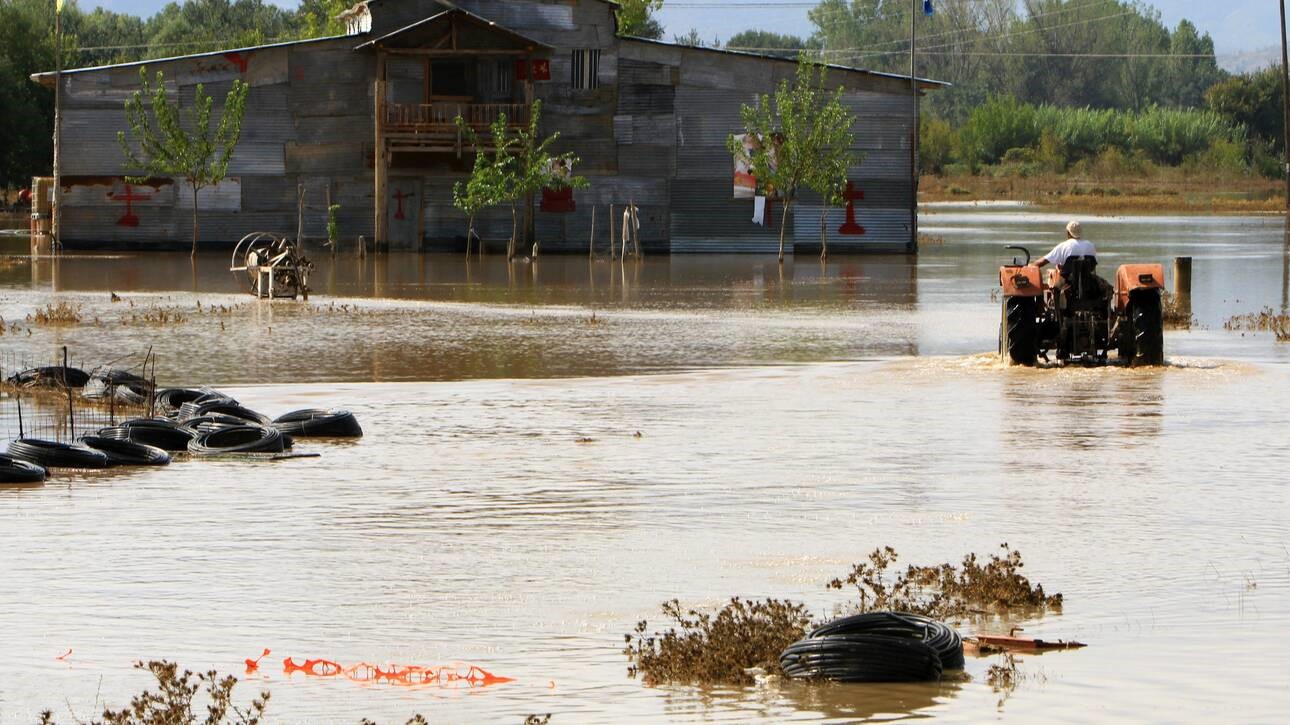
(636, 18)
(26, 109)
(767, 43)
(491, 180)
(536, 168)
(167, 146)
(691, 38)
(317, 18)
(806, 139)
(1253, 100)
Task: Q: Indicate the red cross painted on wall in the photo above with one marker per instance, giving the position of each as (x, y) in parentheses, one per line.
(129, 197)
(400, 195)
(850, 227)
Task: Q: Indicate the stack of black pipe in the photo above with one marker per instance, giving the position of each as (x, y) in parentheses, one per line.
(875, 647)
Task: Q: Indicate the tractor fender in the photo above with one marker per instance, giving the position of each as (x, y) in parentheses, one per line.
(1021, 281)
(1132, 277)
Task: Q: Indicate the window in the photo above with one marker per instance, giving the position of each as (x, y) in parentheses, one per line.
(585, 69)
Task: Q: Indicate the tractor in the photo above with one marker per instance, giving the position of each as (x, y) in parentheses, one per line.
(1078, 316)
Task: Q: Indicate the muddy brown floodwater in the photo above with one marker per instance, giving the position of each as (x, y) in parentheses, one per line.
(789, 423)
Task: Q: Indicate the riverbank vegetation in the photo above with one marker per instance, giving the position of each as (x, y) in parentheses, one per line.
(745, 637)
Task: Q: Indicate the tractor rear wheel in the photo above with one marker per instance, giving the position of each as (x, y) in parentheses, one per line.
(1019, 331)
(1148, 329)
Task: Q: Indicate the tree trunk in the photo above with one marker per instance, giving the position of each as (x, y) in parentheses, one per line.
(783, 227)
(470, 232)
(510, 246)
(824, 234)
(195, 231)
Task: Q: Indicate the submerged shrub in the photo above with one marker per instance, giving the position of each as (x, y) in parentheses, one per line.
(946, 591)
(706, 648)
(172, 703)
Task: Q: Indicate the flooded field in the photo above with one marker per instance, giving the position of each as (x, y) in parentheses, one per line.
(502, 511)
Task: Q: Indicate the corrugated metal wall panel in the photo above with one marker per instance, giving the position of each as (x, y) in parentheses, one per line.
(646, 100)
(85, 224)
(93, 135)
(324, 129)
(328, 158)
(706, 219)
(330, 99)
(633, 72)
(646, 160)
(257, 159)
(226, 196)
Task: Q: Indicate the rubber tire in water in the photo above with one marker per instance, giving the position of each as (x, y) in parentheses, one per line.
(16, 470)
(319, 423)
(52, 454)
(127, 453)
(1148, 329)
(1019, 331)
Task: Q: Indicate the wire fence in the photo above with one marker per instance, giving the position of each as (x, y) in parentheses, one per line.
(56, 400)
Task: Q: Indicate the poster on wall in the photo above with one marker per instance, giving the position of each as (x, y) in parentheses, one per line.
(746, 185)
(558, 199)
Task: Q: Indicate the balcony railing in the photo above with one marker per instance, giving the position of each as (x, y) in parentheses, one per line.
(441, 117)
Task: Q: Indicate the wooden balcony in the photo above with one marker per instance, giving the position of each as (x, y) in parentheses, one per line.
(439, 118)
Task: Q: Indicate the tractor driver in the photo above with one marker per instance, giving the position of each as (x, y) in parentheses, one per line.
(1074, 246)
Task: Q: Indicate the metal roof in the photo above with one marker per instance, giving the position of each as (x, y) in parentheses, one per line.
(46, 78)
(454, 10)
(928, 83)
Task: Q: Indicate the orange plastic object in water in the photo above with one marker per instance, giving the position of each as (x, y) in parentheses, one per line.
(456, 675)
(64, 655)
(254, 664)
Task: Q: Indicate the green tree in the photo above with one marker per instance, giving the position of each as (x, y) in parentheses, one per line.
(490, 181)
(636, 18)
(767, 43)
(317, 18)
(1252, 100)
(26, 109)
(166, 146)
(536, 168)
(806, 138)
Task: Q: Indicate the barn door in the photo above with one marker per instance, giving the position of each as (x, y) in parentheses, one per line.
(403, 214)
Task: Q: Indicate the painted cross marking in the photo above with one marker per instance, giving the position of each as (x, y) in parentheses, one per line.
(129, 197)
(400, 196)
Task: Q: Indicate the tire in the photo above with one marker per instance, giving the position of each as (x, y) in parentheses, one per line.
(161, 434)
(861, 658)
(127, 453)
(1148, 329)
(1019, 331)
(51, 377)
(16, 470)
(52, 454)
(942, 638)
(238, 439)
(319, 423)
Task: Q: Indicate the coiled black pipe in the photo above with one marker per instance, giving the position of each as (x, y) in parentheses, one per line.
(942, 638)
(211, 422)
(54, 377)
(319, 423)
(127, 453)
(238, 439)
(52, 454)
(190, 409)
(156, 432)
(861, 658)
(16, 470)
(230, 408)
(170, 399)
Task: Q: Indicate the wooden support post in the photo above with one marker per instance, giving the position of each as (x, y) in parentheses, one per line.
(381, 161)
(612, 242)
(1182, 285)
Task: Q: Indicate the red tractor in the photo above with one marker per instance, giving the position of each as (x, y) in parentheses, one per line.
(1077, 315)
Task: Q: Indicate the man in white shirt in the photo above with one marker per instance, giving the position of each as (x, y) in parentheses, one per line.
(1074, 246)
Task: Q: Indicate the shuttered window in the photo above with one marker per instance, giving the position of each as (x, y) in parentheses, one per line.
(585, 69)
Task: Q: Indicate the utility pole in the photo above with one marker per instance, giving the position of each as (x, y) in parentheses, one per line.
(913, 145)
(56, 226)
(1285, 98)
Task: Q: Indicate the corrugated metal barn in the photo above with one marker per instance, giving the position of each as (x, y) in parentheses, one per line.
(367, 119)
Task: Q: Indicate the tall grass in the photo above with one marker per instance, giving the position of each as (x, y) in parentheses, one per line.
(1162, 135)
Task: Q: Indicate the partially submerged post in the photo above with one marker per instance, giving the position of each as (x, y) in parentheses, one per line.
(1182, 285)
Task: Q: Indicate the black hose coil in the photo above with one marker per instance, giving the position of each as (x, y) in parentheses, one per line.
(861, 658)
(238, 439)
(127, 453)
(16, 470)
(169, 400)
(228, 407)
(211, 422)
(52, 454)
(319, 423)
(53, 377)
(939, 636)
(156, 432)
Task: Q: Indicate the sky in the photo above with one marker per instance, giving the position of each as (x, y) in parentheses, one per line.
(1239, 27)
